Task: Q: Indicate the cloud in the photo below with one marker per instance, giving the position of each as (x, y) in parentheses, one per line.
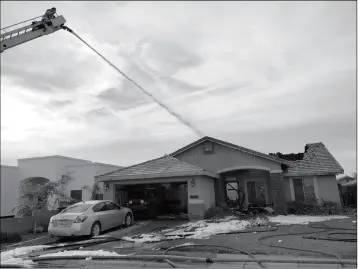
(59, 103)
(256, 74)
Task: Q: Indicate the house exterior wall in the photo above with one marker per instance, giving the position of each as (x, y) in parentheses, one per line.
(52, 168)
(328, 189)
(39, 167)
(316, 189)
(10, 182)
(207, 191)
(222, 158)
(83, 178)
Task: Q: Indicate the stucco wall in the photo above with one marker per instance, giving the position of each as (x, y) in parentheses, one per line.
(109, 194)
(222, 158)
(10, 181)
(315, 188)
(207, 191)
(38, 167)
(83, 178)
(328, 188)
(52, 168)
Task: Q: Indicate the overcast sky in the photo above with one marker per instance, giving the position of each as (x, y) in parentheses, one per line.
(270, 76)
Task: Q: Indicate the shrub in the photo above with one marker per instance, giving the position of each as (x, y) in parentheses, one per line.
(302, 208)
(214, 212)
(10, 237)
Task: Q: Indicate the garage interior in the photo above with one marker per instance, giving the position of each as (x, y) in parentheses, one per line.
(154, 200)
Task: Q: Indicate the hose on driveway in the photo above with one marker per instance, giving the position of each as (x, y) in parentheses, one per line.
(216, 246)
(198, 259)
(330, 235)
(324, 228)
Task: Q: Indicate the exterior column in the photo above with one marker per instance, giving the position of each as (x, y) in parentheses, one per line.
(220, 191)
(278, 193)
(109, 193)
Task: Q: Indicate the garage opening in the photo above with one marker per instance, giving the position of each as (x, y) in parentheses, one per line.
(154, 200)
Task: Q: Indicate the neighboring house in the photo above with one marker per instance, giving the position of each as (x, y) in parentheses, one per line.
(51, 168)
(207, 165)
(344, 179)
(349, 192)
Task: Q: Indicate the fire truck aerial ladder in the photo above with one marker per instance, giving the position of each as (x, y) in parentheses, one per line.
(31, 29)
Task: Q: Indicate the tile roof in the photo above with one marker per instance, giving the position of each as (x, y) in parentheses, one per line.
(166, 166)
(317, 160)
(227, 144)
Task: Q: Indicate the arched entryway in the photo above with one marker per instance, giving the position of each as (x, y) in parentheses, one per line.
(244, 185)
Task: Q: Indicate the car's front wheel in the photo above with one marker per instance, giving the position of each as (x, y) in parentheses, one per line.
(128, 220)
(96, 229)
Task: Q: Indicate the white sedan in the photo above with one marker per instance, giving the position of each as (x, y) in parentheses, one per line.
(89, 218)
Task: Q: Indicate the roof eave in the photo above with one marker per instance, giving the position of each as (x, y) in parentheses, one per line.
(153, 176)
(323, 173)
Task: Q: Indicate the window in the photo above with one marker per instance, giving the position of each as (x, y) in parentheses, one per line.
(98, 196)
(298, 189)
(112, 206)
(99, 207)
(76, 195)
(208, 147)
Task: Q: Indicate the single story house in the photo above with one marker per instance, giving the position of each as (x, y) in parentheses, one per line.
(208, 166)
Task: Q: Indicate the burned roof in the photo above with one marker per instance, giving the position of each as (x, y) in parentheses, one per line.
(317, 160)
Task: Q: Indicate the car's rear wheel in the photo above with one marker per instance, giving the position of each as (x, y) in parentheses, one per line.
(96, 229)
(128, 220)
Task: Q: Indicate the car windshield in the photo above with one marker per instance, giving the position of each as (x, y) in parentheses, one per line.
(76, 208)
(137, 195)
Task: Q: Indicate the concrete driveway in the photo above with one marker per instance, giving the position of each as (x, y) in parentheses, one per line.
(245, 241)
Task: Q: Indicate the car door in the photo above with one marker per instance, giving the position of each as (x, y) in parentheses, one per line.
(115, 216)
(100, 211)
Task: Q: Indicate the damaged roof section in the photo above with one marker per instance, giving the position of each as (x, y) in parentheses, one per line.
(288, 157)
(316, 160)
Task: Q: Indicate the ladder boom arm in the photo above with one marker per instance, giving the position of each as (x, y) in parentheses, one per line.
(29, 32)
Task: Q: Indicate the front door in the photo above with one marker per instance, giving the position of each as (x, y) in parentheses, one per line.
(251, 192)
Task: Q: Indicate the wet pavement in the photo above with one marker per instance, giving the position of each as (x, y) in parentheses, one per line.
(246, 241)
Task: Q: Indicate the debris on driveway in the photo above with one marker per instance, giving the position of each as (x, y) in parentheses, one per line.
(14, 256)
(144, 238)
(202, 229)
(81, 253)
